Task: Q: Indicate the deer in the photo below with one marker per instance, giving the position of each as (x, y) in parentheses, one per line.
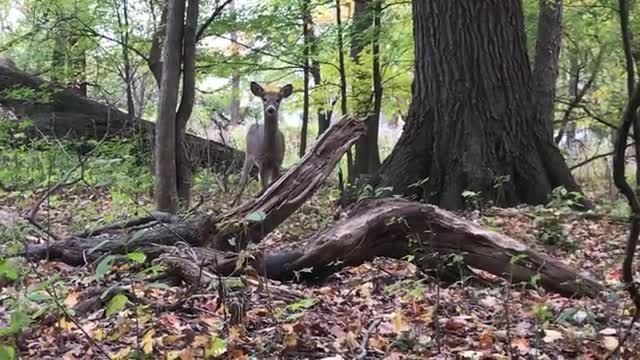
(264, 142)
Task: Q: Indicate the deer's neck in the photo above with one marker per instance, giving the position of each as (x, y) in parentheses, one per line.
(270, 132)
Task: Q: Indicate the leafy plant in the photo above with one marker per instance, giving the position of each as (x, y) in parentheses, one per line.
(369, 191)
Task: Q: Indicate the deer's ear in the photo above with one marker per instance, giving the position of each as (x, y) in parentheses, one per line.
(256, 89)
(286, 90)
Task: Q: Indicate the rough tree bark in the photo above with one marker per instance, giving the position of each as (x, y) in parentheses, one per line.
(546, 62)
(61, 113)
(472, 124)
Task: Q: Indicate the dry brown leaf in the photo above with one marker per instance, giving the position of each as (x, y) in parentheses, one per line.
(290, 339)
(351, 341)
(378, 343)
(169, 340)
(521, 344)
(71, 299)
(200, 341)
(486, 339)
(551, 336)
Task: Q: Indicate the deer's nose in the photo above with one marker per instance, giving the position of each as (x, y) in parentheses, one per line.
(271, 110)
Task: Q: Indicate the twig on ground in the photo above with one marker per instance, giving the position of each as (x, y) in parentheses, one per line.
(365, 338)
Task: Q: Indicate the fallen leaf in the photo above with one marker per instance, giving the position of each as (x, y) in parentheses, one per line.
(610, 343)
(98, 334)
(378, 343)
(551, 336)
(521, 344)
(399, 324)
(608, 331)
(351, 341)
(147, 342)
(486, 339)
(122, 354)
(71, 299)
(290, 339)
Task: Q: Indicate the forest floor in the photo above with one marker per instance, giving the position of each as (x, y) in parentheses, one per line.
(384, 309)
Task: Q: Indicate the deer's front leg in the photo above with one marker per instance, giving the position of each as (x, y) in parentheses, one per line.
(264, 176)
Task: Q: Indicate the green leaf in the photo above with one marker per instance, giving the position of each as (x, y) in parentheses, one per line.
(19, 320)
(137, 257)
(117, 304)
(104, 266)
(256, 216)
(8, 270)
(218, 347)
(7, 352)
(302, 304)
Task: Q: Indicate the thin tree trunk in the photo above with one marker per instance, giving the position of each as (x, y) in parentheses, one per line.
(183, 163)
(235, 115)
(123, 23)
(374, 122)
(324, 118)
(343, 84)
(166, 196)
(574, 79)
(307, 69)
(545, 68)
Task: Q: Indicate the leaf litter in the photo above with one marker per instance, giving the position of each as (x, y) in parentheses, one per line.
(415, 316)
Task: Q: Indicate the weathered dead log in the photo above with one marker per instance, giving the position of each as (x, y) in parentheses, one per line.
(396, 228)
(274, 206)
(61, 113)
(232, 230)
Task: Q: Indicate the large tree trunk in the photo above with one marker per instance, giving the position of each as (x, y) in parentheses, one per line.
(61, 113)
(545, 67)
(472, 124)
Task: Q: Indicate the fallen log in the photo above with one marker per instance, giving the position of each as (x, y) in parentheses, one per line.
(61, 113)
(235, 228)
(396, 228)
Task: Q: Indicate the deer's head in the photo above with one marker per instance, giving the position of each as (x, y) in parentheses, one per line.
(271, 99)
